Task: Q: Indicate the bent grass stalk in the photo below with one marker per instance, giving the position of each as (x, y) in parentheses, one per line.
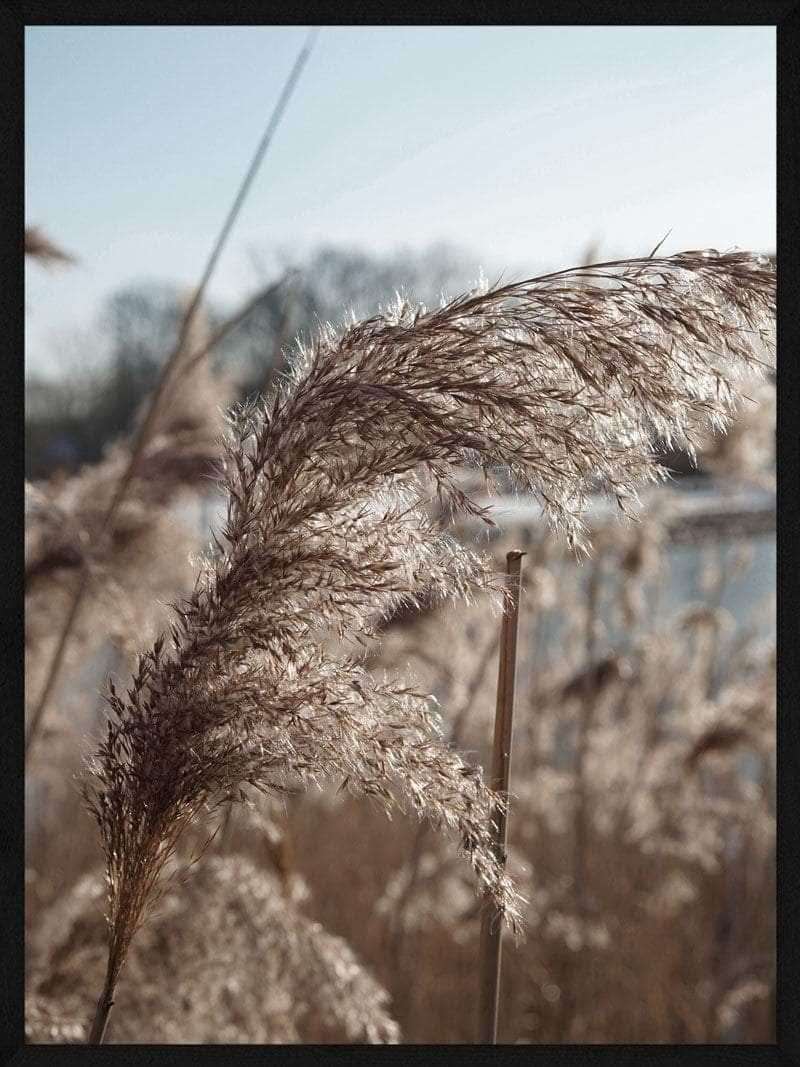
(566, 381)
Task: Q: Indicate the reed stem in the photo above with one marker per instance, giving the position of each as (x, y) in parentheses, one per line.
(100, 1021)
(492, 923)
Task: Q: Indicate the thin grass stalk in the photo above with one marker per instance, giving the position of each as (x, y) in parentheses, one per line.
(283, 330)
(230, 324)
(491, 943)
(148, 424)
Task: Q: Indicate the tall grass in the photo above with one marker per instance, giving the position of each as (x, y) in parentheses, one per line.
(677, 944)
(565, 381)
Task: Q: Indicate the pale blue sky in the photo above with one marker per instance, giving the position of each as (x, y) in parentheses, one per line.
(518, 143)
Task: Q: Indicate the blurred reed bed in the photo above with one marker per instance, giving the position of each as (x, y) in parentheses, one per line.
(642, 815)
(63, 520)
(130, 571)
(329, 535)
(229, 957)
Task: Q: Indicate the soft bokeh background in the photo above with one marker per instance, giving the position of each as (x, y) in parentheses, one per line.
(417, 158)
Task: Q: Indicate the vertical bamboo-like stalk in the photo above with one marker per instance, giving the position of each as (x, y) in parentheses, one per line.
(492, 924)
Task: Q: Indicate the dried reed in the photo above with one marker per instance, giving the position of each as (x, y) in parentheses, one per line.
(565, 380)
(491, 925)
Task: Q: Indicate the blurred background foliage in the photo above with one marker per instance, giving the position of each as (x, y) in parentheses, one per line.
(73, 414)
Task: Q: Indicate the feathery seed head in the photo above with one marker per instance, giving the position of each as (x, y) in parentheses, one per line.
(568, 382)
